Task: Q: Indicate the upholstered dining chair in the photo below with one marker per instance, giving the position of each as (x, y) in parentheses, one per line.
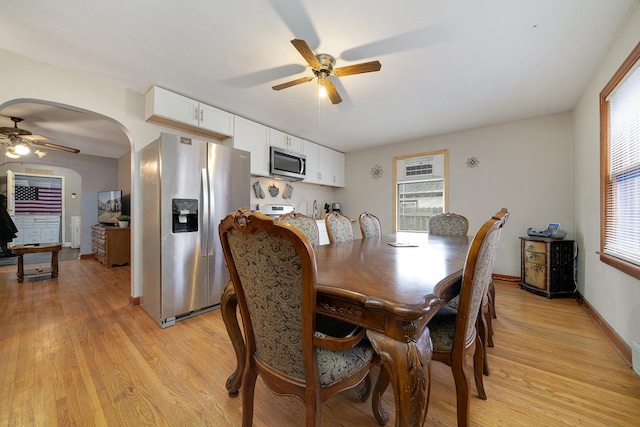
(448, 224)
(345, 333)
(454, 333)
(338, 227)
(273, 270)
(306, 224)
(452, 224)
(369, 225)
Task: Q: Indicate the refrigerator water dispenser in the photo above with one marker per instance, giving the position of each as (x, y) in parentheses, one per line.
(184, 215)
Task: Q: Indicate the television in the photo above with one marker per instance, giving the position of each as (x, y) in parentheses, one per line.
(109, 207)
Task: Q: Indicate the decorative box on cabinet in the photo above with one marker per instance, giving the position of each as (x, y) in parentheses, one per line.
(111, 245)
(547, 266)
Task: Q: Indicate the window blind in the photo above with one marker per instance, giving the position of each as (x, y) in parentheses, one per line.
(622, 185)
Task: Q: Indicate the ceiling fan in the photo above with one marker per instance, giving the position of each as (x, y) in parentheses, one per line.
(323, 66)
(18, 142)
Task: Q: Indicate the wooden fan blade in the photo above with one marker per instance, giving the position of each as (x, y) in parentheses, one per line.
(48, 144)
(293, 83)
(306, 52)
(35, 138)
(332, 92)
(365, 67)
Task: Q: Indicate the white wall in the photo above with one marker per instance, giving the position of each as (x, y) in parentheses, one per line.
(524, 166)
(23, 78)
(302, 198)
(614, 295)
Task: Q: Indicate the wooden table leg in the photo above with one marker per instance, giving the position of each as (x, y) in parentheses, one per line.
(228, 307)
(408, 367)
(20, 268)
(54, 264)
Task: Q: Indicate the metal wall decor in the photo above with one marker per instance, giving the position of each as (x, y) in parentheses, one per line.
(472, 162)
(376, 172)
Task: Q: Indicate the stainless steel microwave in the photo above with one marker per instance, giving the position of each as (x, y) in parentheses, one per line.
(287, 165)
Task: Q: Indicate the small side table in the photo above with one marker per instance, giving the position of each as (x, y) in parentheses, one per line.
(34, 248)
(548, 266)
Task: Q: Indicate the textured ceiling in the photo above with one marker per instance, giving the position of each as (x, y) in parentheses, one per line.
(446, 65)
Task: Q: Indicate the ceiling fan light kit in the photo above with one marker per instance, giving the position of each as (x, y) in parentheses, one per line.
(17, 142)
(323, 66)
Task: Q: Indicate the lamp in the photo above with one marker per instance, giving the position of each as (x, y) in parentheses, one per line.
(17, 147)
(322, 92)
(21, 149)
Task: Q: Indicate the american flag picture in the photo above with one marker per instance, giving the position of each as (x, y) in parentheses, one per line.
(32, 199)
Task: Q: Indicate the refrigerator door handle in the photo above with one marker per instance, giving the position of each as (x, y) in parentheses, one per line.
(212, 228)
(204, 209)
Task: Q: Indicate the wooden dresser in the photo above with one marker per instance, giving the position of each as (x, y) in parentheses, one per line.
(548, 266)
(111, 245)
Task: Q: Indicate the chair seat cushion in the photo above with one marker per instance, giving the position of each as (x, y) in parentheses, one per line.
(335, 366)
(442, 328)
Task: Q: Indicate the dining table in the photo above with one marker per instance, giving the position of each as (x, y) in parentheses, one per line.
(391, 286)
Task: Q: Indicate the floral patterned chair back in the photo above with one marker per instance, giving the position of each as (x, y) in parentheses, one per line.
(273, 271)
(306, 224)
(339, 228)
(369, 225)
(448, 224)
(454, 333)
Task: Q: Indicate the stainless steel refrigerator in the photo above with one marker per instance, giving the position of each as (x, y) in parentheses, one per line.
(187, 187)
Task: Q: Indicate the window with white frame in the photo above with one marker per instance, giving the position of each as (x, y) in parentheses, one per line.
(620, 168)
(420, 187)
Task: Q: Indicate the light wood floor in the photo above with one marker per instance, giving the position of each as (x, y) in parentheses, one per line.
(72, 352)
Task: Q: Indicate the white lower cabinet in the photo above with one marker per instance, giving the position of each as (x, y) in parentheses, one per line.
(36, 229)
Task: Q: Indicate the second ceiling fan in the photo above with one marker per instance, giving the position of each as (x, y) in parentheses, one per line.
(323, 66)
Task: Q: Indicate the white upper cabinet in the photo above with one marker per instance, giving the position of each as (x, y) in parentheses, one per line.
(310, 150)
(338, 165)
(252, 137)
(168, 108)
(216, 120)
(286, 141)
(330, 169)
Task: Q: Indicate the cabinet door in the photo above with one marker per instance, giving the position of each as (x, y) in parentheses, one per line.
(310, 149)
(161, 102)
(216, 120)
(278, 139)
(283, 140)
(325, 168)
(338, 169)
(252, 137)
(295, 144)
(535, 264)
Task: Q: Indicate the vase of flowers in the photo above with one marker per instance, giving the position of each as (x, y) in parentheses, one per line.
(123, 221)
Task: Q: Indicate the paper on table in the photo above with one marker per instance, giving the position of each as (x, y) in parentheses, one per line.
(403, 245)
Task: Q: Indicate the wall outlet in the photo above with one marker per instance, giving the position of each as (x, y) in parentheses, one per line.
(635, 354)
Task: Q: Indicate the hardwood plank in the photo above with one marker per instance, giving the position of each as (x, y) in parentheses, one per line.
(75, 352)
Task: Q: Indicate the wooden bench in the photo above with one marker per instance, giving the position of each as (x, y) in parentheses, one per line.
(34, 248)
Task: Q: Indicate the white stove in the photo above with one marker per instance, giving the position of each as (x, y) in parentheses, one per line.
(275, 210)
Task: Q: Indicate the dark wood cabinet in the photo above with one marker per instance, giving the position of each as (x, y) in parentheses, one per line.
(547, 266)
(111, 245)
